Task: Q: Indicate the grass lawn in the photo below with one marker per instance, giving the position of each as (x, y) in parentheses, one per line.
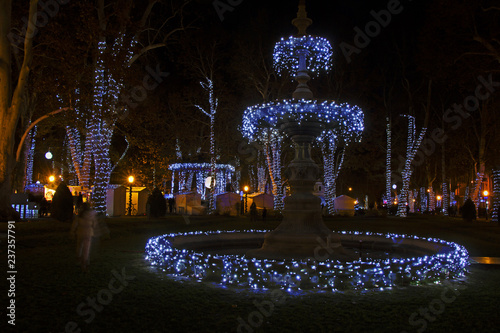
(52, 295)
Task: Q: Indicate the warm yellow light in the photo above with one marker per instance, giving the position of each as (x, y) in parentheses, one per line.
(486, 193)
(130, 179)
(438, 197)
(356, 202)
(428, 190)
(350, 188)
(246, 188)
(52, 178)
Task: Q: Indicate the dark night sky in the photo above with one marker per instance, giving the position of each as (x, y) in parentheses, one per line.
(334, 20)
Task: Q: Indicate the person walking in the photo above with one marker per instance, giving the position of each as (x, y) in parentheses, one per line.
(83, 228)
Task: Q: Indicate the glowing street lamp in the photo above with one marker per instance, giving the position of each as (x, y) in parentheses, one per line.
(130, 180)
(245, 189)
(485, 195)
(52, 178)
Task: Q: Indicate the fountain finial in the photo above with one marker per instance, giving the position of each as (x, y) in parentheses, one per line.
(301, 22)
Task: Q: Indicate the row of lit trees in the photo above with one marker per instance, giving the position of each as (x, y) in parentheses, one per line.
(117, 43)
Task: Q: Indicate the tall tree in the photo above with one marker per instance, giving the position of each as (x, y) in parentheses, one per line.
(414, 141)
(117, 45)
(255, 66)
(12, 98)
(213, 102)
(460, 46)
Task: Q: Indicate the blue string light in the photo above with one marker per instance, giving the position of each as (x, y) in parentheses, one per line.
(449, 262)
(200, 167)
(348, 120)
(286, 54)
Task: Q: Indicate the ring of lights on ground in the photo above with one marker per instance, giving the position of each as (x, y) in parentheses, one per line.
(406, 260)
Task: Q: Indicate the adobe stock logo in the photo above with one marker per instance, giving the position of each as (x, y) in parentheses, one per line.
(372, 29)
(50, 9)
(87, 309)
(138, 94)
(222, 6)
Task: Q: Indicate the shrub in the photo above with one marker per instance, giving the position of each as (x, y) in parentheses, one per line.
(62, 204)
(469, 210)
(157, 204)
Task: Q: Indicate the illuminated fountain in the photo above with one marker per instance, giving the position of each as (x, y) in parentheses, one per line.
(302, 253)
(302, 119)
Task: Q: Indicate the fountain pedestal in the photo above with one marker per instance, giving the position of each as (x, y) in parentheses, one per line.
(302, 233)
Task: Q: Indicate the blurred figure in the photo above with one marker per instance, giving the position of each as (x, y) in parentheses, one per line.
(171, 205)
(253, 212)
(79, 203)
(83, 227)
(44, 208)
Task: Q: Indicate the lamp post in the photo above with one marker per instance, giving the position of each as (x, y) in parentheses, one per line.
(485, 194)
(130, 181)
(245, 189)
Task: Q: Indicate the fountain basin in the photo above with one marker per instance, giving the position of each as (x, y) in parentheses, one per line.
(385, 261)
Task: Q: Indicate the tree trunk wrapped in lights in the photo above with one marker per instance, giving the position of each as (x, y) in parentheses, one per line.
(388, 170)
(272, 145)
(413, 144)
(423, 200)
(333, 158)
(476, 192)
(115, 53)
(82, 159)
(445, 186)
(28, 178)
(446, 198)
(432, 199)
(261, 179)
(102, 124)
(213, 102)
(496, 195)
